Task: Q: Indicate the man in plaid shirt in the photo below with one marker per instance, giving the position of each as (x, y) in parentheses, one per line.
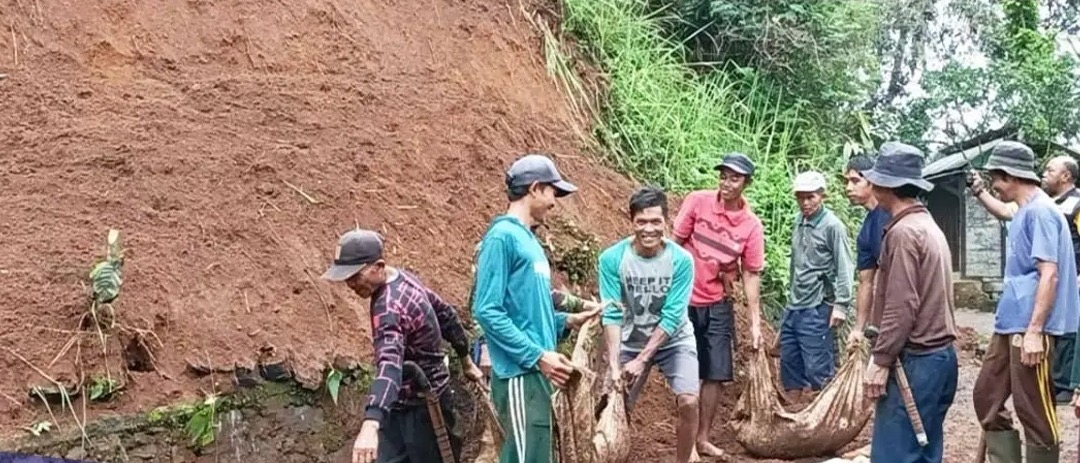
(408, 323)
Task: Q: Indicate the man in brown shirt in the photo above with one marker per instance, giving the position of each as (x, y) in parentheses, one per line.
(912, 313)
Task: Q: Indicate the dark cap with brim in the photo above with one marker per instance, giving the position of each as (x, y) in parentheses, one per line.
(355, 249)
(537, 168)
(737, 162)
(1013, 158)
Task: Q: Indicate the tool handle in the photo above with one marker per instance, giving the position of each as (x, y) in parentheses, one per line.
(909, 404)
(441, 436)
(409, 369)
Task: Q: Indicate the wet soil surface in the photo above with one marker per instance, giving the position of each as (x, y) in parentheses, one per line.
(655, 432)
(231, 143)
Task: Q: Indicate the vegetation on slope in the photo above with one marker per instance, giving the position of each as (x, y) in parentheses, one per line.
(664, 124)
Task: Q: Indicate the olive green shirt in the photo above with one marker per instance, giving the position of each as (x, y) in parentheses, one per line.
(821, 264)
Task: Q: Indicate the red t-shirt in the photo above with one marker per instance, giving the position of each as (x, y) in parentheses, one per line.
(718, 239)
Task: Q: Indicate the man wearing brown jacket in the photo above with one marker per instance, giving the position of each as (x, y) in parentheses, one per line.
(912, 313)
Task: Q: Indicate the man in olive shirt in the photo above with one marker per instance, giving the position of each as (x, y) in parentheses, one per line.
(820, 295)
(913, 313)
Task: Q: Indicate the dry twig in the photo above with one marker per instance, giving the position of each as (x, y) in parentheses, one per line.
(298, 190)
(59, 386)
(14, 44)
(67, 347)
(12, 399)
(247, 49)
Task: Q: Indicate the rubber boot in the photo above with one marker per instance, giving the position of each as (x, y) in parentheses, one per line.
(1042, 454)
(1003, 446)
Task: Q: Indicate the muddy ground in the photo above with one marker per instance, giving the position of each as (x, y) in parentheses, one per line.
(961, 427)
(231, 143)
(231, 146)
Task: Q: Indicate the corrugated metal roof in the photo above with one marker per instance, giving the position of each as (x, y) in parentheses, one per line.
(956, 162)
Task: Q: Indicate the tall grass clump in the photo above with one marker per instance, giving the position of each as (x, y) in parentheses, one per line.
(662, 123)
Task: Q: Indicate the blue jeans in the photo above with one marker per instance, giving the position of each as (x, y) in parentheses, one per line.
(807, 355)
(932, 378)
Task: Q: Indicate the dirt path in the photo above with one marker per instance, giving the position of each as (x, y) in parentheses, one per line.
(961, 427)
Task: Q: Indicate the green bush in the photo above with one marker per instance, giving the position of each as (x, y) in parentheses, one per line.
(662, 123)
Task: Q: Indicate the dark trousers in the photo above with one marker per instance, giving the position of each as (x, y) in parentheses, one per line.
(932, 377)
(807, 358)
(406, 435)
(1063, 362)
(714, 332)
(1003, 375)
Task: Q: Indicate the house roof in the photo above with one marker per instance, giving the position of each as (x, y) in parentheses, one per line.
(972, 153)
(973, 157)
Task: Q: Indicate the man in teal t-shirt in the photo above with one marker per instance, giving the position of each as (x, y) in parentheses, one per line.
(645, 283)
(513, 304)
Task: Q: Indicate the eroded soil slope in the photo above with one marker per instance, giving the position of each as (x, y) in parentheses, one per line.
(193, 126)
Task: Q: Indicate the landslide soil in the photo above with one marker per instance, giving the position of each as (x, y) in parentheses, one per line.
(193, 126)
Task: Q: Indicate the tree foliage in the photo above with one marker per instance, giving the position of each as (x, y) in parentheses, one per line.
(820, 54)
(797, 84)
(929, 72)
(1025, 81)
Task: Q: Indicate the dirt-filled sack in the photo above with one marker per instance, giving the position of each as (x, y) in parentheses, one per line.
(835, 417)
(491, 440)
(612, 439)
(584, 434)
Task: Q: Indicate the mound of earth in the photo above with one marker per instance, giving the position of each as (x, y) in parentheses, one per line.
(231, 143)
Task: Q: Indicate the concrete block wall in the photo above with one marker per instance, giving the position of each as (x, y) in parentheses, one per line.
(983, 245)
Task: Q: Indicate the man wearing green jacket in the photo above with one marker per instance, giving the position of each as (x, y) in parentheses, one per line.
(513, 304)
(819, 298)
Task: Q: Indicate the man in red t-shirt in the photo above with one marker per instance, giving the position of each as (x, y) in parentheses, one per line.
(724, 237)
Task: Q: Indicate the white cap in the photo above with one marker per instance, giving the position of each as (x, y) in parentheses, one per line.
(808, 182)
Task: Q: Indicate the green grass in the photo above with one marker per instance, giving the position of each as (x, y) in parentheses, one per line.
(661, 123)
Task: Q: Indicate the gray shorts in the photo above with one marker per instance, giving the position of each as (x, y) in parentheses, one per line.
(678, 363)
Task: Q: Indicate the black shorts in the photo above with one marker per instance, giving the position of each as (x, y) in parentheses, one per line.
(714, 330)
(406, 433)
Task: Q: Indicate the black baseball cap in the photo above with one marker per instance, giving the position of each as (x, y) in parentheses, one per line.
(737, 162)
(539, 169)
(355, 249)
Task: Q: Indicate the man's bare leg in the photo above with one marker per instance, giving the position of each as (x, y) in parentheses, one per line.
(710, 402)
(687, 430)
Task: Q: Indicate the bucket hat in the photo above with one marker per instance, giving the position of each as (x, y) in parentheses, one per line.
(1013, 158)
(898, 164)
